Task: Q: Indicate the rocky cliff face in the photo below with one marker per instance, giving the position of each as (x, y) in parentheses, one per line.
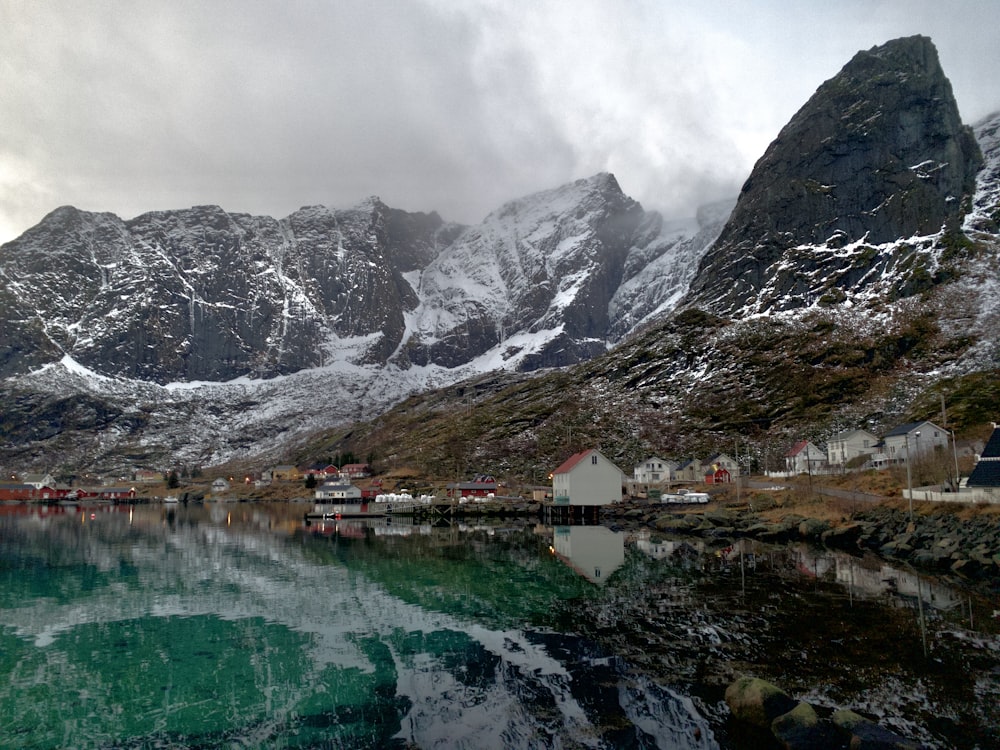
(201, 294)
(549, 280)
(180, 332)
(877, 155)
(204, 295)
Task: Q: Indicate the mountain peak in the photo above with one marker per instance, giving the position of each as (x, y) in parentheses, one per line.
(601, 189)
(878, 154)
(916, 50)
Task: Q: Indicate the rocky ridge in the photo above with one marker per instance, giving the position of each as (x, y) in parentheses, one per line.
(198, 335)
(860, 185)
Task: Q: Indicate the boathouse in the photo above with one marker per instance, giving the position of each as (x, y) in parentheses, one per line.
(587, 478)
(338, 491)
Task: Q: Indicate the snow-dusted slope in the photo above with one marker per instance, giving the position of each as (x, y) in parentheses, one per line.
(556, 266)
(199, 335)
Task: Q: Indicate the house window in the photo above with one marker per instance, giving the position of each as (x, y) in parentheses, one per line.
(597, 572)
(593, 460)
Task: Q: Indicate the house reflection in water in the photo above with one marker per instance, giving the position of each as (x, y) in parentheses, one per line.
(660, 548)
(874, 578)
(595, 552)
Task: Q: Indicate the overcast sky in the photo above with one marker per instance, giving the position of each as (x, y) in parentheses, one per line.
(448, 105)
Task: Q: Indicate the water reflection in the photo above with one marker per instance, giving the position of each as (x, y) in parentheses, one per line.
(595, 552)
(232, 625)
(247, 625)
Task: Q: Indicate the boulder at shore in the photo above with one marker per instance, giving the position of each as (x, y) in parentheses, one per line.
(757, 701)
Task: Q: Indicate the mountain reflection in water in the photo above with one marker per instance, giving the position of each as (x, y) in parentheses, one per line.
(240, 625)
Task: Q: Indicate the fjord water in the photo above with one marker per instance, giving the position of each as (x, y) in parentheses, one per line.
(236, 625)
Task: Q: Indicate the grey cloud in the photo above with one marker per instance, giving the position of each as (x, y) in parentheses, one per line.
(433, 105)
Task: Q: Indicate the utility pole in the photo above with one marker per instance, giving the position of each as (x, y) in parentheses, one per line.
(954, 446)
(738, 476)
(909, 482)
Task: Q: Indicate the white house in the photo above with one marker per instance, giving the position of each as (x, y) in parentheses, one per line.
(690, 471)
(220, 485)
(804, 457)
(849, 444)
(912, 438)
(587, 478)
(338, 491)
(654, 470)
(717, 465)
(39, 480)
(595, 552)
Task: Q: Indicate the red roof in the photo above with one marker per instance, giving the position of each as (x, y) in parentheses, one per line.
(567, 466)
(797, 448)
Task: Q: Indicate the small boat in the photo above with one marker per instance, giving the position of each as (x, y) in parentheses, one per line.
(171, 499)
(684, 498)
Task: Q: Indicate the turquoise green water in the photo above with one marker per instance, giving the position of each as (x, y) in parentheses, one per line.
(239, 626)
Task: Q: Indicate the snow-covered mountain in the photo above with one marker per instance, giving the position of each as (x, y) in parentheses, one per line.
(198, 335)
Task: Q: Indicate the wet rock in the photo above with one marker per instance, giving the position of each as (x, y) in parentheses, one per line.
(776, 532)
(802, 729)
(720, 532)
(895, 548)
(677, 523)
(965, 567)
(812, 528)
(923, 558)
(719, 518)
(867, 735)
(843, 537)
(757, 701)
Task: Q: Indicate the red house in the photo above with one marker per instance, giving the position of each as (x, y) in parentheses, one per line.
(356, 471)
(482, 485)
(719, 476)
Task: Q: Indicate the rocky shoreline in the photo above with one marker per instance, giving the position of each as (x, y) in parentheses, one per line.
(936, 542)
(796, 725)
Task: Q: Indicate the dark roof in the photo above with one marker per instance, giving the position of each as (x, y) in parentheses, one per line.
(992, 449)
(909, 427)
(986, 474)
(987, 471)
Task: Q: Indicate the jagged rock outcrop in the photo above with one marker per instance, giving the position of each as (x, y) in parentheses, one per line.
(546, 278)
(877, 155)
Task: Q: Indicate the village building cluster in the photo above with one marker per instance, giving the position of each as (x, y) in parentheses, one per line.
(587, 478)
